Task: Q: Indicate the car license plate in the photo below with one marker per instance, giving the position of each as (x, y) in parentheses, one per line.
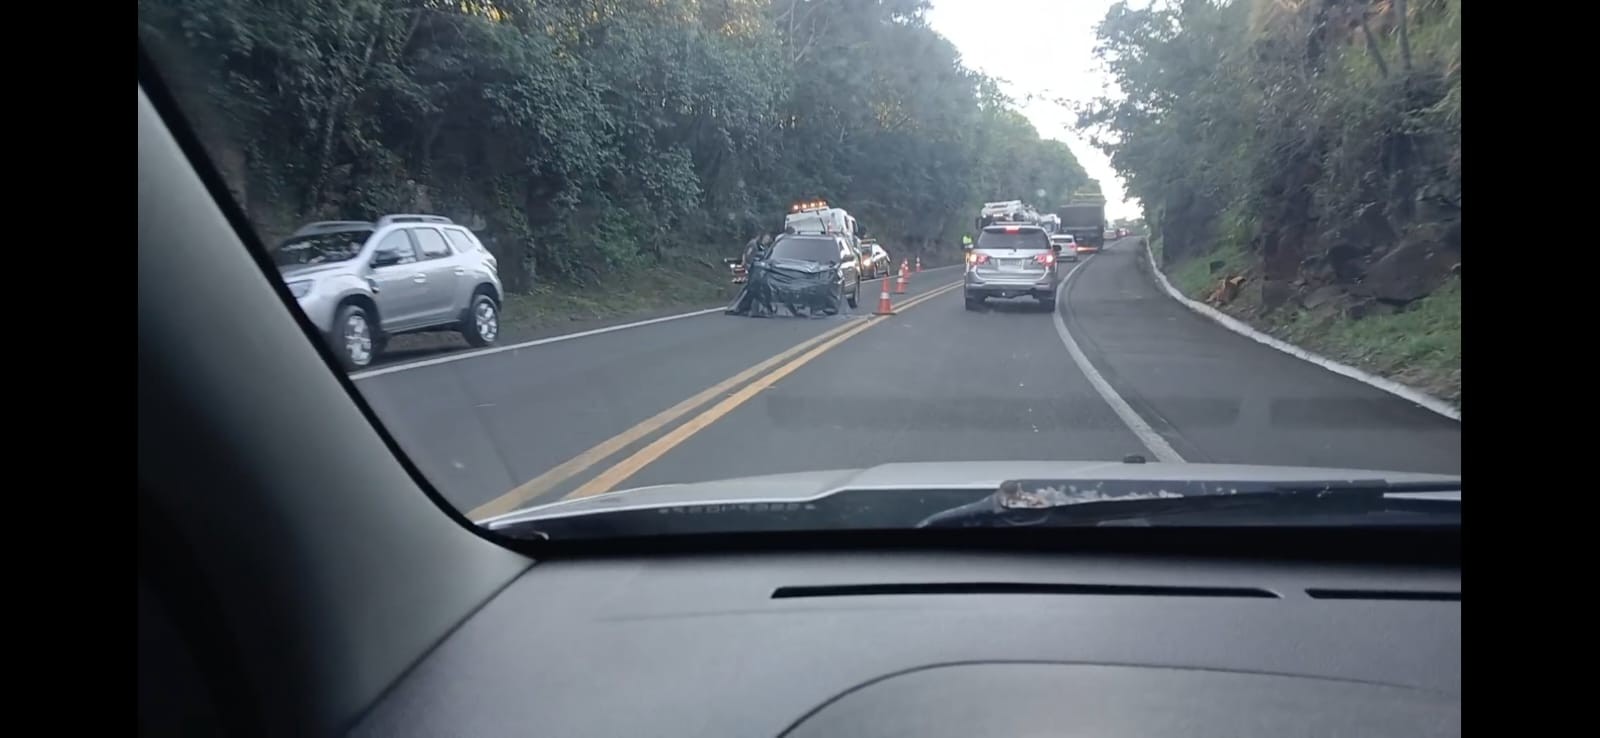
(1010, 265)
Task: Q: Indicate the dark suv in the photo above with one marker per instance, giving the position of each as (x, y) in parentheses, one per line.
(1012, 260)
(829, 250)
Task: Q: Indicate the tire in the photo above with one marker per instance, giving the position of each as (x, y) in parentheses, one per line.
(352, 337)
(855, 297)
(481, 325)
(974, 303)
(1048, 303)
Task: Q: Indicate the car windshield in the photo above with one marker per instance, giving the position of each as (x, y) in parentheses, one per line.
(1258, 202)
(321, 248)
(821, 250)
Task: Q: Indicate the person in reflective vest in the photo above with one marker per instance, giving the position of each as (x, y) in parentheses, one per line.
(966, 240)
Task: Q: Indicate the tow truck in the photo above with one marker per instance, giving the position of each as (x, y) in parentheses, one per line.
(817, 216)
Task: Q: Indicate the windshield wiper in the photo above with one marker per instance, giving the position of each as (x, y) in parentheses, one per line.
(1023, 503)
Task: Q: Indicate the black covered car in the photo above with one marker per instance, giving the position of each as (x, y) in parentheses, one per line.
(803, 274)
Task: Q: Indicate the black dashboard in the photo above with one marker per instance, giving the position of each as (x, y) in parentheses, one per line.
(916, 643)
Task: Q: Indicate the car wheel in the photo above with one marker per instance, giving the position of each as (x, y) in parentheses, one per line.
(855, 297)
(1048, 303)
(482, 324)
(974, 303)
(352, 337)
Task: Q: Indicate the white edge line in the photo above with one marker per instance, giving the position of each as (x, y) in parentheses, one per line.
(525, 344)
(1147, 435)
(1410, 394)
(357, 376)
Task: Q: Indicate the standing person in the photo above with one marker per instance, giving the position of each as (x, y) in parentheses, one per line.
(756, 247)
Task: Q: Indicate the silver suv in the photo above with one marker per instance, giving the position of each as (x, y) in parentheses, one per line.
(362, 282)
(1011, 260)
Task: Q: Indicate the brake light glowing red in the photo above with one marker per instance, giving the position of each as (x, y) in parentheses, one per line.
(976, 258)
(1012, 229)
(1045, 259)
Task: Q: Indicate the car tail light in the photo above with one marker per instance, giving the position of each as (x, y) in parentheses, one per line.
(1045, 259)
(976, 259)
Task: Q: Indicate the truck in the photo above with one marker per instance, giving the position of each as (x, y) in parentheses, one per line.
(1083, 217)
(1006, 211)
(817, 216)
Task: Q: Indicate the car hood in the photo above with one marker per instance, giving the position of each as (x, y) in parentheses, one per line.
(798, 265)
(312, 270)
(944, 475)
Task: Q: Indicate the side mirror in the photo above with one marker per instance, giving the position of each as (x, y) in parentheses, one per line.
(1056, 247)
(385, 258)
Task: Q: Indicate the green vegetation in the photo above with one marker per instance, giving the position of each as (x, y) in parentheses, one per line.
(1312, 147)
(589, 141)
(1420, 345)
(1197, 277)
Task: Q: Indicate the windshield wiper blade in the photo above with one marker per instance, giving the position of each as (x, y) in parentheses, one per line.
(1023, 503)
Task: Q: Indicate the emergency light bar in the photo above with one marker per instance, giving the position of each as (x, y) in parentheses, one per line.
(801, 207)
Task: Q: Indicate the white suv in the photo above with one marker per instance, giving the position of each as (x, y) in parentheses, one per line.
(1012, 260)
(361, 282)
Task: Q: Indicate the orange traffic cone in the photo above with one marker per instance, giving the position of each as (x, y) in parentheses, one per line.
(884, 308)
(900, 284)
(919, 262)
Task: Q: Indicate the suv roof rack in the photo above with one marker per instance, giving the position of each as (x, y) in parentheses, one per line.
(412, 218)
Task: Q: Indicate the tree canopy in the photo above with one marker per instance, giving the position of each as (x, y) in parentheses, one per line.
(581, 137)
(1317, 135)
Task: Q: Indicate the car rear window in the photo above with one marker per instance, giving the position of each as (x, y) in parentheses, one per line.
(822, 250)
(1034, 239)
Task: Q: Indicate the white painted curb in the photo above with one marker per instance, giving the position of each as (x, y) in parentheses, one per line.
(1397, 389)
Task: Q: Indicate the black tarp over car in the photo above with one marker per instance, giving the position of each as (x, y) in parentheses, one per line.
(799, 277)
(782, 287)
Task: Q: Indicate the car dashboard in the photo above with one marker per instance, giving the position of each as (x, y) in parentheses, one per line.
(942, 643)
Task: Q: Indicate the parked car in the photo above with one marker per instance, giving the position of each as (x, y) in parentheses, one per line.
(804, 274)
(874, 260)
(1012, 261)
(1111, 235)
(362, 282)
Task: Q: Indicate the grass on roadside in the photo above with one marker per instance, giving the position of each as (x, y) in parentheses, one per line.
(1420, 346)
(621, 295)
(1195, 278)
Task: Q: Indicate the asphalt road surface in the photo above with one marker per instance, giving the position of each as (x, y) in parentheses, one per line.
(716, 396)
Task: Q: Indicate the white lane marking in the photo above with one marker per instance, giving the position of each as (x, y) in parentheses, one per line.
(1397, 389)
(526, 344)
(357, 376)
(1148, 436)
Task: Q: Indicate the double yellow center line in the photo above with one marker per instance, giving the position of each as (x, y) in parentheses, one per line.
(769, 372)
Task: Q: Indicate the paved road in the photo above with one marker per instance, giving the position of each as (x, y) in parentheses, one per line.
(935, 382)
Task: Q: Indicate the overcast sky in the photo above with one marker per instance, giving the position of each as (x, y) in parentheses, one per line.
(1045, 47)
